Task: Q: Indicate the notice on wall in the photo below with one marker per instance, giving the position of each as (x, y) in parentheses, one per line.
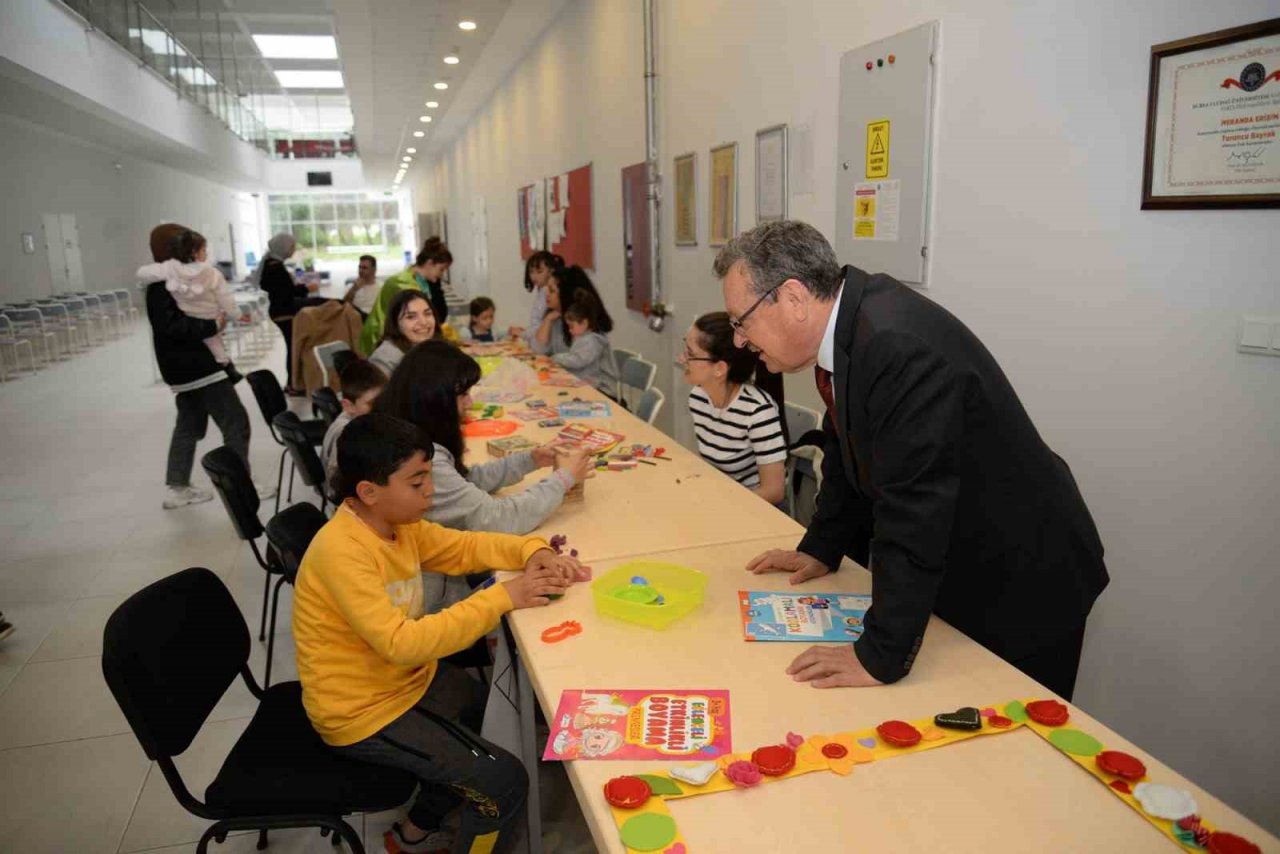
(876, 210)
(878, 149)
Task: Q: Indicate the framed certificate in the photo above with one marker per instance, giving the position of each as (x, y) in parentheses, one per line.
(1213, 121)
(686, 199)
(724, 193)
(771, 174)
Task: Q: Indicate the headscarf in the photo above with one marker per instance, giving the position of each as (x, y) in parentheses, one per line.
(279, 247)
(162, 238)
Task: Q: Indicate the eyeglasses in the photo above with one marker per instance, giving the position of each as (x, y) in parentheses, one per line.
(738, 322)
(687, 356)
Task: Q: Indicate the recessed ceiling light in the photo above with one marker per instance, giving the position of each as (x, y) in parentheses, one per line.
(452, 59)
(424, 118)
(411, 151)
(419, 133)
(298, 79)
(297, 47)
(467, 25)
(442, 85)
(431, 105)
(406, 158)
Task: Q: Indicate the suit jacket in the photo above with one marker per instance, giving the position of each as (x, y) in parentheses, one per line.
(937, 481)
(333, 320)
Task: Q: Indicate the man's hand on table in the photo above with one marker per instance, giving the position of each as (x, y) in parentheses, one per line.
(800, 565)
(831, 667)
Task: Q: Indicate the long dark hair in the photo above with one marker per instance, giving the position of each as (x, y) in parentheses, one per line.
(570, 281)
(391, 325)
(434, 251)
(541, 258)
(424, 390)
(716, 337)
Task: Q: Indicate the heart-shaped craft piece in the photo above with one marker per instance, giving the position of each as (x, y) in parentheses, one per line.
(774, 760)
(1121, 764)
(899, 733)
(627, 793)
(1121, 786)
(1048, 712)
(867, 742)
(963, 718)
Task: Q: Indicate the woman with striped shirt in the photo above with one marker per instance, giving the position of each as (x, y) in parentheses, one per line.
(738, 426)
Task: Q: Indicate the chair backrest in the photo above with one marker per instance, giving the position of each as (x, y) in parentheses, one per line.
(649, 405)
(124, 296)
(235, 487)
(6, 325)
(32, 316)
(56, 311)
(290, 430)
(621, 357)
(267, 391)
(324, 355)
(325, 401)
(291, 531)
(169, 653)
(800, 419)
(638, 374)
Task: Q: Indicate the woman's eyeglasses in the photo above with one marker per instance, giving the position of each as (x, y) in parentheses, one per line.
(687, 356)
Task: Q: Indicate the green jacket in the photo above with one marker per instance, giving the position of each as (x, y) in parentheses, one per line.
(372, 332)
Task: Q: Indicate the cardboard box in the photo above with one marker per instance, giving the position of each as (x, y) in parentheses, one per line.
(509, 445)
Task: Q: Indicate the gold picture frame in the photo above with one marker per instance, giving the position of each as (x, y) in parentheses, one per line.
(724, 194)
(686, 199)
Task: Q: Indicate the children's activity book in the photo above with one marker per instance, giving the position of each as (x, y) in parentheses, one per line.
(604, 723)
(770, 615)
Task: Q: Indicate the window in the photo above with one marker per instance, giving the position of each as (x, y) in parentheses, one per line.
(341, 226)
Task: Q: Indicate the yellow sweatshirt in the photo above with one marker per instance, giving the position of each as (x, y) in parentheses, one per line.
(366, 652)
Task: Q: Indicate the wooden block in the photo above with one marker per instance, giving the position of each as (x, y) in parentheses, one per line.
(578, 493)
(508, 445)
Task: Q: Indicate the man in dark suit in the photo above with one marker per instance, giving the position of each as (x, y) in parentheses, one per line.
(934, 476)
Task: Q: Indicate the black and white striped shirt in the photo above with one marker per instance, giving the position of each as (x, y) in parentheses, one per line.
(741, 437)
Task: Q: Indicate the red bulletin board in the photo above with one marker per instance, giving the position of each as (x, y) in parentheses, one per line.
(573, 210)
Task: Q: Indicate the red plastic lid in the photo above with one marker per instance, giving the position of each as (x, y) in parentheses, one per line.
(489, 428)
(831, 750)
(1000, 721)
(1121, 764)
(1221, 842)
(1048, 712)
(627, 793)
(899, 733)
(774, 760)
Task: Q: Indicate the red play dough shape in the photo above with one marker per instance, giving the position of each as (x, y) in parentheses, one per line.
(1000, 721)
(627, 793)
(831, 750)
(489, 428)
(1221, 842)
(1121, 764)
(899, 733)
(774, 760)
(1121, 786)
(1048, 712)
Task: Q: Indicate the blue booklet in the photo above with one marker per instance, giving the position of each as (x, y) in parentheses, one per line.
(770, 615)
(584, 409)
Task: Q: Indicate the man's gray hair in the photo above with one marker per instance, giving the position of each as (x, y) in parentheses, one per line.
(776, 251)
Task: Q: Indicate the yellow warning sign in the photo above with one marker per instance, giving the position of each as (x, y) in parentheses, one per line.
(864, 229)
(866, 207)
(878, 149)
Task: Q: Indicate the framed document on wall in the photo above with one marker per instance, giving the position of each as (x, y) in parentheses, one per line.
(686, 173)
(771, 174)
(724, 193)
(1213, 121)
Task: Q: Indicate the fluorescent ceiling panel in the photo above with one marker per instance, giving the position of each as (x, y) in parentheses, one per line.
(298, 79)
(297, 47)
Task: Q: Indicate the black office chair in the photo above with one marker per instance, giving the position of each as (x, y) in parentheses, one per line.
(290, 428)
(271, 402)
(234, 486)
(290, 533)
(169, 653)
(325, 403)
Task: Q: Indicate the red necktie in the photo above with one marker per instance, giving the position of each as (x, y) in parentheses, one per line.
(823, 378)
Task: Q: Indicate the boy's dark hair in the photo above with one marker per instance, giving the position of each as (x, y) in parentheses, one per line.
(185, 245)
(373, 447)
(359, 378)
(716, 336)
(371, 260)
(480, 305)
(343, 359)
(424, 389)
(391, 326)
(435, 251)
(586, 306)
(541, 258)
(571, 281)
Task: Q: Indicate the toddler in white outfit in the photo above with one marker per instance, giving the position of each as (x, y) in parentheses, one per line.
(197, 287)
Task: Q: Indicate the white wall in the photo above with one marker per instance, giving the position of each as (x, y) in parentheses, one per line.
(1116, 326)
(115, 209)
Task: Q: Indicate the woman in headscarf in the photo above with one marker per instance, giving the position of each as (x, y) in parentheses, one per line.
(287, 296)
(200, 385)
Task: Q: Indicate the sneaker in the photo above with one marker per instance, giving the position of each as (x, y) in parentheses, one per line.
(265, 490)
(181, 496)
(6, 627)
(434, 842)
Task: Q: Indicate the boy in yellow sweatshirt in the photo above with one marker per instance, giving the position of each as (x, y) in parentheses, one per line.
(368, 657)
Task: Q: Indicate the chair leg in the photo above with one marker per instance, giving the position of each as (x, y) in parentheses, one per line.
(262, 839)
(291, 471)
(266, 596)
(271, 638)
(280, 478)
(349, 836)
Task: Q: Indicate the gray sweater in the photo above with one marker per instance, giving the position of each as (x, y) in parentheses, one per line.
(386, 356)
(465, 503)
(590, 359)
(555, 341)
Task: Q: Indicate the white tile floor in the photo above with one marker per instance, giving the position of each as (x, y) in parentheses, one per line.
(82, 457)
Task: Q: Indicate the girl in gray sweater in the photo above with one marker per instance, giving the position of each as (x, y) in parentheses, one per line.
(590, 358)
